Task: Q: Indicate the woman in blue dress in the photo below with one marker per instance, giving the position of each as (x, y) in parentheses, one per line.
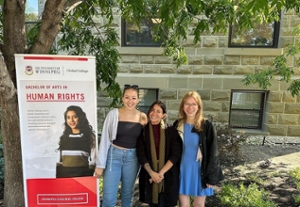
(200, 167)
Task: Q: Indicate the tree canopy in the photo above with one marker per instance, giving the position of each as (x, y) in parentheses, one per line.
(81, 33)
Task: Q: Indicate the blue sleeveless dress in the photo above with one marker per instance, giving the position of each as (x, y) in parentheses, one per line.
(190, 169)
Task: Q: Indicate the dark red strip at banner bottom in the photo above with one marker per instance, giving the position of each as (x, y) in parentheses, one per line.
(63, 192)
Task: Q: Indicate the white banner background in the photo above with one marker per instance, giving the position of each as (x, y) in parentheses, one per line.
(47, 85)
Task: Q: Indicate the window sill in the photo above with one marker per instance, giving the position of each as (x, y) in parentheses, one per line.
(254, 51)
(140, 50)
(205, 51)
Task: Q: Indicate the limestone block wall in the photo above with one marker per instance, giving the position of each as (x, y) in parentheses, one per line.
(213, 70)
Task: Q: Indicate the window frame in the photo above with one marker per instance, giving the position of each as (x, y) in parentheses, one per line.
(276, 34)
(147, 106)
(123, 39)
(260, 111)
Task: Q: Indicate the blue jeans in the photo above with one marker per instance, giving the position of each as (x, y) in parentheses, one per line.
(121, 165)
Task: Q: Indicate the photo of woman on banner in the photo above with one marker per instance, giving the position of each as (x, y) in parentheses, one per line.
(77, 145)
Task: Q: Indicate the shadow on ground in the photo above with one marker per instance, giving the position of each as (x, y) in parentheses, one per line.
(268, 166)
(249, 168)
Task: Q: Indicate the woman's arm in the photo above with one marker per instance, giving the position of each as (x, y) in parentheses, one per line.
(143, 155)
(155, 177)
(165, 168)
(175, 145)
(144, 119)
(106, 138)
(213, 173)
(175, 149)
(98, 172)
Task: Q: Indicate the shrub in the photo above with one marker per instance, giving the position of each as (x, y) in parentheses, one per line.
(244, 196)
(295, 174)
(229, 142)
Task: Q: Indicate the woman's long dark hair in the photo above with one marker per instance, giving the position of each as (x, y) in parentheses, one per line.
(83, 125)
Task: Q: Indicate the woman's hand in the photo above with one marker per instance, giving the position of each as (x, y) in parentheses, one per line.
(210, 186)
(98, 172)
(156, 177)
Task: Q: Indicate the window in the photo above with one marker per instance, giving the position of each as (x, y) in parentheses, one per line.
(247, 108)
(134, 36)
(262, 35)
(147, 97)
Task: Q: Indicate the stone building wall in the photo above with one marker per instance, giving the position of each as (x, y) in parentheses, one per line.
(213, 70)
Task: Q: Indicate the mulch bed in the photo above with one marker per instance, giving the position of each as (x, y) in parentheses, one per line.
(279, 184)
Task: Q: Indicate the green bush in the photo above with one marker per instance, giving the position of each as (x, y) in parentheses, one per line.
(244, 196)
(295, 174)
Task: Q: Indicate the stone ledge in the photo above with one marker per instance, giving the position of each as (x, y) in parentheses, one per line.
(140, 50)
(252, 132)
(205, 51)
(258, 134)
(254, 51)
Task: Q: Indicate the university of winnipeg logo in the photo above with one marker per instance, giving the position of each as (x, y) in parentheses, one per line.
(28, 70)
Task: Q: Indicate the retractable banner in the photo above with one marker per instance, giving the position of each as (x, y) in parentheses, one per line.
(58, 126)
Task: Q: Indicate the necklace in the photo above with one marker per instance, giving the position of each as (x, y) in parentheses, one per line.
(190, 124)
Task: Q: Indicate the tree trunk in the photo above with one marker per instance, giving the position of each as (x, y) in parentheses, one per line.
(13, 176)
(14, 42)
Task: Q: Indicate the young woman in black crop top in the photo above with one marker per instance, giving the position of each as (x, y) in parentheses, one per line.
(116, 158)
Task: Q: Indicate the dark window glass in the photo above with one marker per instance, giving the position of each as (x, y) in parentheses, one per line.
(147, 97)
(139, 36)
(262, 35)
(247, 109)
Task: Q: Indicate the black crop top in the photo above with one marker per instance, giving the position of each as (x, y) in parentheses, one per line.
(127, 134)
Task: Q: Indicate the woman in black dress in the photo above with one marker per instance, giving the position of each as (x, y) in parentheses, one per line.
(159, 152)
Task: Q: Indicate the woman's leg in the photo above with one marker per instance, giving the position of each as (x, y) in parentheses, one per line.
(199, 201)
(111, 177)
(184, 200)
(161, 200)
(128, 177)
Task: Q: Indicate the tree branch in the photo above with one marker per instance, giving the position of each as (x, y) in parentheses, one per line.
(13, 34)
(50, 27)
(70, 5)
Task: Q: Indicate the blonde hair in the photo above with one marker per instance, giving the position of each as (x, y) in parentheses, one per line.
(199, 115)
